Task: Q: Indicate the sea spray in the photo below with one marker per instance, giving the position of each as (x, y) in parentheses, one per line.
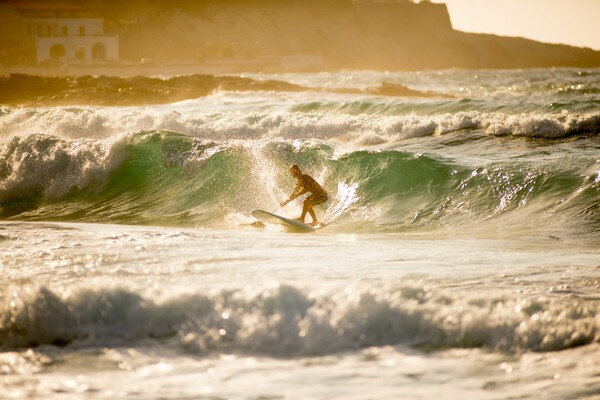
(288, 321)
(361, 129)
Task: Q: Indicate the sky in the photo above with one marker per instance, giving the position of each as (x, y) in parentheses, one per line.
(573, 22)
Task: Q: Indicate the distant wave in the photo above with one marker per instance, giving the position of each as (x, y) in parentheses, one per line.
(288, 321)
(105, 90)
(31, 90)
(363, 123)
(422, 92)
(167, 178)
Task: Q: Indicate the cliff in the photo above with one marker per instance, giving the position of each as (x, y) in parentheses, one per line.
(347, 34)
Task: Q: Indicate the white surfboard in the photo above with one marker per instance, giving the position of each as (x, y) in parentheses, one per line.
(291, 224)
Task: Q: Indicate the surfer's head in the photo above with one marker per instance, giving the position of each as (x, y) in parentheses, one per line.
(295, 170)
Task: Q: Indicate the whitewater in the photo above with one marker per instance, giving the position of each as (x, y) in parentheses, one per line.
(459, 258)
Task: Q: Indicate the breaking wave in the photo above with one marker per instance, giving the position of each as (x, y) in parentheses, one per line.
(167, 178)
(368, 124)
(288, 321)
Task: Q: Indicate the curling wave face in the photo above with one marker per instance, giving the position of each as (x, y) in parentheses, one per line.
(167, 178)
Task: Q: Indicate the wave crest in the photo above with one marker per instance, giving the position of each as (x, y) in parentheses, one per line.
(174, 179)
(46, 166)
(361, 129)
(288, 321)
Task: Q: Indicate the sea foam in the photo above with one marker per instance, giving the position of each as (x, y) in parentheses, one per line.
(361, 129)
(53, 167)
(291, 321)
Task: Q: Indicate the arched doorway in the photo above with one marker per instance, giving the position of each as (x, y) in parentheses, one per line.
(57, 52)
(98, 52)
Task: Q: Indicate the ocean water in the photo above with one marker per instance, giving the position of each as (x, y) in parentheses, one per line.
(459, 258)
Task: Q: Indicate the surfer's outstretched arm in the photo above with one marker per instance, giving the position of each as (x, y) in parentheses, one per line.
(300, 190)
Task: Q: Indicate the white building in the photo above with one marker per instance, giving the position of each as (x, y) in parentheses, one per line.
(72, 41)
(50, 33)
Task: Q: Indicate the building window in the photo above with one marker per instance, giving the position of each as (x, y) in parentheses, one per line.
(49, 30)
(82, 31)
(98, 52)
(65, 31)
(80, 54)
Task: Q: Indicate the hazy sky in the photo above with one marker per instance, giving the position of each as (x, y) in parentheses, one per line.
(574, 22)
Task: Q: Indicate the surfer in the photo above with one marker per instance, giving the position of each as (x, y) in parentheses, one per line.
(306, 183)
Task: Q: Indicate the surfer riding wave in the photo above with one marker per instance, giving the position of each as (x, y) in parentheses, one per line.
(305, 184)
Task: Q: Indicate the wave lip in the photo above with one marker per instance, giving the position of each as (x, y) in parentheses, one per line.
(174, 179)
(46, 167)
(380, 127)
(288, 322)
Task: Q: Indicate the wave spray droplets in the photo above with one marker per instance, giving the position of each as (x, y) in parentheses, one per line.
(160, 176)
(290, 322)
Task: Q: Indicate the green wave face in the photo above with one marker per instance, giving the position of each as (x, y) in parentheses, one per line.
(166, 178)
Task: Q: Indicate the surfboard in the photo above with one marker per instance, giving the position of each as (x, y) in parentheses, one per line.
(291, 224)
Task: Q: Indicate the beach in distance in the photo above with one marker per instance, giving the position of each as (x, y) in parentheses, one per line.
(458, 258)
